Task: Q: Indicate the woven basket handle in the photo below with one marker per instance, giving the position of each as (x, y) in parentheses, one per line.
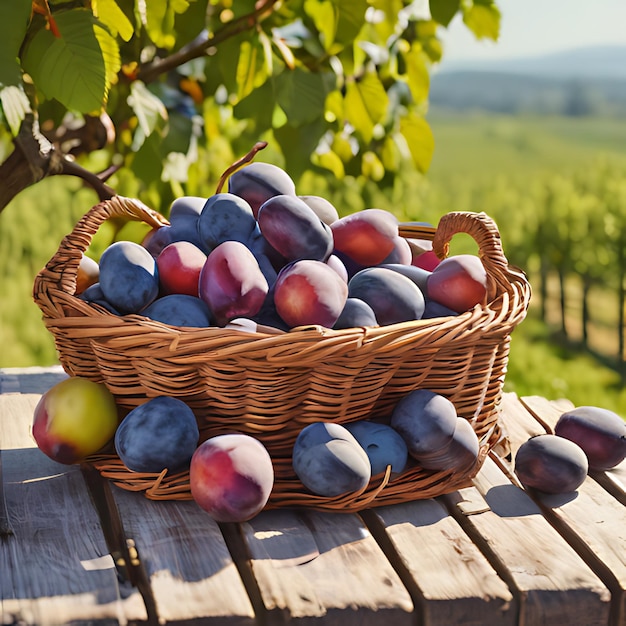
(485, 232)
(61, 270)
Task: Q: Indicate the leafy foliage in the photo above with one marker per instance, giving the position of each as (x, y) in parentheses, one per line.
(338, 87)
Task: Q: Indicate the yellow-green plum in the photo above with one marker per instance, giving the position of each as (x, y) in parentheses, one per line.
(231, 477)
(73, 419)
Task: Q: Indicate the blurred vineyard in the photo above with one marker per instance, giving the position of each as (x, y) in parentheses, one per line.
(557, 192)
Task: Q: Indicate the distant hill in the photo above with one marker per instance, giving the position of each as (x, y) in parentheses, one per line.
(589, 81)
(605, 62)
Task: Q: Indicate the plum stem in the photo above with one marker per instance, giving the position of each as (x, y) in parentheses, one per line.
(258, 146)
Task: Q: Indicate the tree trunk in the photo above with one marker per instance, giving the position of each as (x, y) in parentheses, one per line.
(563, 302)
(587, 282)
(621, 305)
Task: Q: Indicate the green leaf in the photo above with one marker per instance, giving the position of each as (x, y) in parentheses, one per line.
(338, 21)
(483, 19)
(323, 15)
(110, 14)
(301, 95)
(257, 107)
(14, 20)
(419, 139)
(15, 106)
(159, 17)
(298, 143)
(330, 161)
(350, 19)
(251, 69)
(149, 109)
(366, 104)
(75, 68)
(442, 11)
(417, 73)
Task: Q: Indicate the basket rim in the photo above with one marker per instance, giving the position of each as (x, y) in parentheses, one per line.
(505, 306)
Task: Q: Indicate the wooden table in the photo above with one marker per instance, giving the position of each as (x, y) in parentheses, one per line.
(76, 549)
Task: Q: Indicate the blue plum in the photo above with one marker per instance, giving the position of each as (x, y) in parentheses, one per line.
(426, 421)
(93, 294)
(383, 445)
(257, 182)
(179, 309)
(184, 215)
(224, 217)
(329, 461)
(160, 434)
(294, 230)
(393, 297)
(129, 277)
(355, 313)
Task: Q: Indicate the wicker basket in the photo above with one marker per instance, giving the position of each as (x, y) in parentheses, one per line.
(271, 384)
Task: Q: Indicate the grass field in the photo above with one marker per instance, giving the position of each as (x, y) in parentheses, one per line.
(471, 151)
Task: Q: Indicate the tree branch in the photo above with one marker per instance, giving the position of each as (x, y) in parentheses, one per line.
(153, 70)
(33, 159)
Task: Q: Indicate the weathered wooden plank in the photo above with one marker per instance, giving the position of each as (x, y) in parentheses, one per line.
(518, 423)
(450, 580)
(186, 561)
(314, 567)
(551, 582)
(30, 379)
(594, 521)
(548, 413)
(55, 566)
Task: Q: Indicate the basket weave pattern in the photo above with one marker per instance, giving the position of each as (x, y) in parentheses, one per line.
(271, 384)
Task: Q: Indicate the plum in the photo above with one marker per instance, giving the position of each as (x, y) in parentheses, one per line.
(179, 265)
(417, 274)
(367, 236)
(393, 297)
(224, 217)
(294, 230)
(324, 209)
(401, 252)
(599, 432)
(551, 464)
(156, 239)
(329, 461)
(231, 282)
(355, 313)
(338, 265)
(258, 182)
(383, 445)
(73, 419)
(88, 273)
(162, 433)
(179, 309)
(309, 292)
(433, 309)
(94, 295)
(459, 282)
(428, 260)
(460, 453)
(426, 420)
(184, 216)
(129, 277)
(231, 477)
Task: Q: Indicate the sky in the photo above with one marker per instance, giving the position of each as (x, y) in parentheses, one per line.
(535, 27)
